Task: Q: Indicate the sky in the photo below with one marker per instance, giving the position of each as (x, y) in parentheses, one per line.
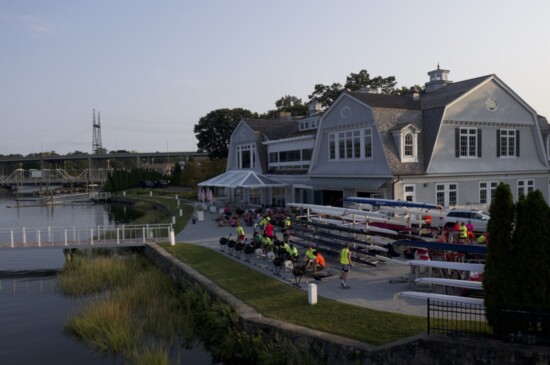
(152, 69)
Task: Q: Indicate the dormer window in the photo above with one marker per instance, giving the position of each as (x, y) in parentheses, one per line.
(408, 145)
(406, 140)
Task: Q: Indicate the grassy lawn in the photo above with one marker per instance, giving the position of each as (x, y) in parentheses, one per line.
(167, 200)
(278, 300)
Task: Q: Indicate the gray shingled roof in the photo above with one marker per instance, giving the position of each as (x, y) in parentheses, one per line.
(388, 120)
(426, 114)
(272, 129)
(386, 101)
(450, 92)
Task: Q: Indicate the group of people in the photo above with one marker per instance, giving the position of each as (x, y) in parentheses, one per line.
(315, 258)
(265, 239)
(462, 233)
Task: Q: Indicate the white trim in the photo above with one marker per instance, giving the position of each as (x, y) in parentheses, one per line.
(290, 139)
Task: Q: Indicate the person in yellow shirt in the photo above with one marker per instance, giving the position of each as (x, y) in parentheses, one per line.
(240, 232)
(309, 257)
(293, 252)
(463, 233)
(345, 261)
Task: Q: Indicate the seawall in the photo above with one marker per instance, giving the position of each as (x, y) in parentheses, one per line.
(420, 349)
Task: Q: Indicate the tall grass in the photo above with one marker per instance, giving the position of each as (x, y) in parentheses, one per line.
(133, 312)
(141, 315)
(107, 325)
(89, 273)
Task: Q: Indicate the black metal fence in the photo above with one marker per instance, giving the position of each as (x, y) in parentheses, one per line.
(457, 319)
(528, 327)
(469, 320)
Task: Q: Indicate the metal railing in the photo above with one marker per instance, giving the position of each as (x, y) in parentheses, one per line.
(85, 236)
(525, 326)
(457, 319)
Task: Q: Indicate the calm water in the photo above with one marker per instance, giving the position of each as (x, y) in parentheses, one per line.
(32, 313)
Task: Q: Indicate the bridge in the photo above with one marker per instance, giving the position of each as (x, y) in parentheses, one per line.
(86, 237)
(21, 177)
(84, 168)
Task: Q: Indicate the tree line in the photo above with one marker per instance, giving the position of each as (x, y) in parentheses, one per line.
(517, 275)
(213, 131)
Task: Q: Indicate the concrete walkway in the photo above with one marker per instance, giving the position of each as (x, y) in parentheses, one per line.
(371, 287)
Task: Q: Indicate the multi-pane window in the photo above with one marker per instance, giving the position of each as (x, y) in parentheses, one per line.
(446, 194)
(306, 154)
(525, 187)
(332, 146)
(290, 159)
(368, 142)
(273, 157)
(350, 145)
(408, 145)
(468, 142)
(289, 156)
(507, 142)
(409, 193)
(246, 156)
(487, 191)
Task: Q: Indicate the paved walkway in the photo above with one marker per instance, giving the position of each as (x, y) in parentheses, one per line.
(371, 287)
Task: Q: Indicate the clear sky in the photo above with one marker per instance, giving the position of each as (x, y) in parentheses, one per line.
(153, 68)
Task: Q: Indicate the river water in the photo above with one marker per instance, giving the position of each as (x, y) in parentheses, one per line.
(32, 312)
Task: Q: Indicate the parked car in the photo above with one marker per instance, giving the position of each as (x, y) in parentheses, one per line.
(146, 184)
(478, 218)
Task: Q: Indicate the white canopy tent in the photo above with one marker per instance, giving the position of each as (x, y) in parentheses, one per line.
(246, 186)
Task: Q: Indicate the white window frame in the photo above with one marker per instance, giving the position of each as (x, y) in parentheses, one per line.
(350, 145)
(446, 194)
(409, 192)
(487, 191)
(246, 148)
(468, 142)
(525, 186)
(508, 143)
(411, 146)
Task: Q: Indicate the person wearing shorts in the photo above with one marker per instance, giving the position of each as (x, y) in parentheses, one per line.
(345, 261)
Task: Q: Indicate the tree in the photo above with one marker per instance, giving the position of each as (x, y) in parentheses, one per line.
(287, 103)
(517, 276)
(355, 81)
(326, 94)
(532, 253)
(192, 173)
(291, 104)
(362, 79)
(177, 174)
(499, 273)
(213, 131)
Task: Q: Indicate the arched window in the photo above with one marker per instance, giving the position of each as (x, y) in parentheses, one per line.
(408, 145)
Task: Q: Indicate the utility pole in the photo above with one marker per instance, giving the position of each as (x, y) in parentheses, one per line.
(97, 146)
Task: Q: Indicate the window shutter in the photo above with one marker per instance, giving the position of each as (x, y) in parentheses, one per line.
(457, 142)
(479, 142)
(517, 142)
(498, 142)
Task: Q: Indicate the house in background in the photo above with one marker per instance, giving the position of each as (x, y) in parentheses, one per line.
(450, 145)
(266, 157)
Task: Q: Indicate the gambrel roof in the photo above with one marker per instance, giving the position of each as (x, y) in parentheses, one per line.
(393, 111)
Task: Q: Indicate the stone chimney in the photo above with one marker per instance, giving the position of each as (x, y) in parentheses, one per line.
(414, 93)
(314, 108)
(284, 115)
(368, 90)
(438, 79)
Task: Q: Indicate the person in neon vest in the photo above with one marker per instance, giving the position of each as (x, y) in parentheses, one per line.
(347, 263)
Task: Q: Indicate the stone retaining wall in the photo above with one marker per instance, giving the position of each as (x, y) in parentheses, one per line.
(421, 349)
